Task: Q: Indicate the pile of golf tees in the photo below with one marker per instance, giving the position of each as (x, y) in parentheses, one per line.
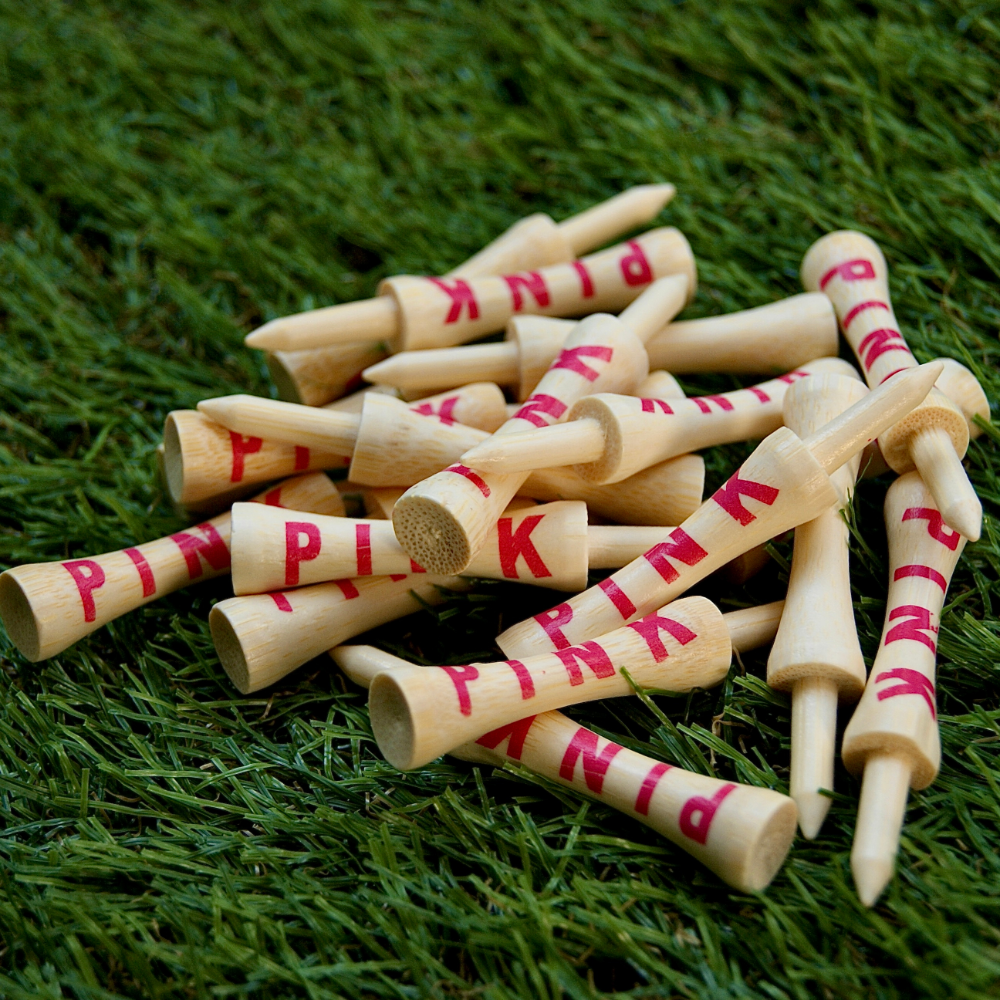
(458, 483)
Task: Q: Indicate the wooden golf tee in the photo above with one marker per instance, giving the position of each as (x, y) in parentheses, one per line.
(964, 390)
(784, 483)
(537, 241)
(816, 656)
(443, 521)
(892, 740)
(773, 338)
(739, 832)
(418, 715)
(478, 405)
(549, 545)
(261, 638)
(314, 377)
(415, 313)
(204, 460)
(398, 447)
(849, 268)
(663, 494)
(46, 607)
(607, 437)
(318, 376)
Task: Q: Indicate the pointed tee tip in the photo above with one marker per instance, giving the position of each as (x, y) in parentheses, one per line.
(813, 808)
(871, 876)
(265, 338)
(966, 517)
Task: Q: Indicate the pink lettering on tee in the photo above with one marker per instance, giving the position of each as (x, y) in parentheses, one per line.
(88, 577)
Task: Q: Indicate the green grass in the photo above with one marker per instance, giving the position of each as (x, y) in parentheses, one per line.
(172, 174)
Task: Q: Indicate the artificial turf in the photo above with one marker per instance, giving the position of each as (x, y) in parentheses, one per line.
(171, 175)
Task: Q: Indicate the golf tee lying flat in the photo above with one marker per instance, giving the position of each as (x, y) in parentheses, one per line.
(525, 451)
(367, 319)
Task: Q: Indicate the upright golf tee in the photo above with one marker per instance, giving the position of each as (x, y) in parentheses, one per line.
(443, 521)
(816, 656)
(739, 832)
(849, 267)
(414, 313)
(784, 483)
(46, 607)
(777, 337)
(892, 741)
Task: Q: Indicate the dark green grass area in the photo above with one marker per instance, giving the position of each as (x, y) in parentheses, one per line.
(171, 175)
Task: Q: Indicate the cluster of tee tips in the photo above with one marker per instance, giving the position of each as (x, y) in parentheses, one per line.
(460, 483)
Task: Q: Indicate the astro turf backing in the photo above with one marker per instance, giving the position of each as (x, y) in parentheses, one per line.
(171, 175)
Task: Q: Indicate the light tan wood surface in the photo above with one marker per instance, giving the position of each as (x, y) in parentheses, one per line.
(398, 446)
(417, 313)
(323, 374)
(263, 637)
(275, 420)
(659, 385)
(546, 546)
(659, 303)
(353, 402)
(664, 494)
(768, 339)
(892, 739)
(205, 462)
(750, 628)
(849, 268)
(964, 390)
(333, 429)
(443, 367)
(608, 437)
(534, 241)
(549, 546)
(317, 376)
(379, 501)
(435, 314)
(816, 656)
(46, 607)
(443, 521)
(537, 241)
(418, 715)
(740, 832)
(784, 483)
(475, 404)
(611, 546)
